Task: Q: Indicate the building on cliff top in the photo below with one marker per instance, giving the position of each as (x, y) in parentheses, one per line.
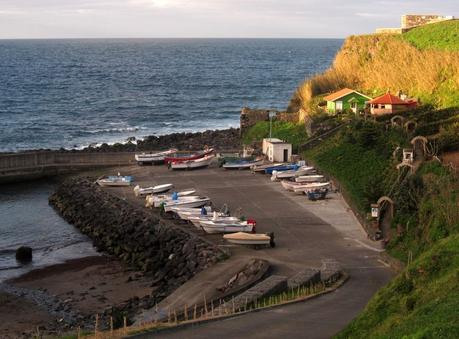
(390, 104)
(411, 21)
(346, 100)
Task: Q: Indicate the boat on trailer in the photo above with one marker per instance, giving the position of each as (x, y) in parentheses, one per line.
(115, 181)
(139, 191)
(153, 158)
(180, 157)
(191, 164)
(242, 238)
(282, 168)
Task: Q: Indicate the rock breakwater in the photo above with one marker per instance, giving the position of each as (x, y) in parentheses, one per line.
(138, 237)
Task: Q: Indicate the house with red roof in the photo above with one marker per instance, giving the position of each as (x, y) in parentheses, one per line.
(346, 100)
(391, 104)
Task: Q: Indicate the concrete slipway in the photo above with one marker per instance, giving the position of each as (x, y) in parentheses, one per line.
(307, 235)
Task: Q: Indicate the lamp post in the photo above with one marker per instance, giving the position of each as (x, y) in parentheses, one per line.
(272, 114)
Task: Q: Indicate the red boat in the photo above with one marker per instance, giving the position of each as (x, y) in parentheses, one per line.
(181, 157)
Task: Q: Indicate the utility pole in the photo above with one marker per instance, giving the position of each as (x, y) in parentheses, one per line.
(272, 114)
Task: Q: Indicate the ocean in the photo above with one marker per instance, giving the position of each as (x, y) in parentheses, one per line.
(73, 93)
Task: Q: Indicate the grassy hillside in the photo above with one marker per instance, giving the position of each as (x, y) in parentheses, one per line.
(422, 302)
(442, 36)
(419, 63)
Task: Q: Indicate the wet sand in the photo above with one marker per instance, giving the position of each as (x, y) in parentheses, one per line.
(87, 285)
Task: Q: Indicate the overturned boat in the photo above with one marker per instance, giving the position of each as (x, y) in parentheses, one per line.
(139, 191)
(241, 238)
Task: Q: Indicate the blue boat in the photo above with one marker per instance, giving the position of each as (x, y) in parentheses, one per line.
(282, 168)
(317, 194)
(127, 178)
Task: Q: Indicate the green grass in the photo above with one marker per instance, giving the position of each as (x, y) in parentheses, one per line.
(440, 36)
(422, 302)
(287, 131)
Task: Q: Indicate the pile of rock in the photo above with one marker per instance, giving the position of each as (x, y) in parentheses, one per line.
(227, 139)
(137, 236)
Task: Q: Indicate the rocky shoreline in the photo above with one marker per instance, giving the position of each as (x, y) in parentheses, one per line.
(165, 254)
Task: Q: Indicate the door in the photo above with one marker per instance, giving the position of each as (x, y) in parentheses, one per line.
(339, 106)
(285, 155)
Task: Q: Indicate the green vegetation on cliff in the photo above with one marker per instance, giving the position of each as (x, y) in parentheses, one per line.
(441, 36)
(421, 302)
(418, 63)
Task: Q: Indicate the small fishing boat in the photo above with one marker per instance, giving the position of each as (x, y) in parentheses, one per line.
(115, 181)
(212, 227)
(180, 157)
(191, 164)
(282, 168)
(262, 168)
(290, 185)
(241, 238)
(156, 200)
(317, 194)
(303, 170)
(153, 158)
(183, 202)
(304, 188)
(216, 218)
(242, 164)
(310, 178)
(186, 212)
(139, 191)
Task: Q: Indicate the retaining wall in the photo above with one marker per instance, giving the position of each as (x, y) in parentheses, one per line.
(32, 165)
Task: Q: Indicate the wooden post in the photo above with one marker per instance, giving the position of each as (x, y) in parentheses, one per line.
(78, 333)
(124, 325)
(111, 325)
(175, 318)
(232, 300)
(185, 311)
(169, 316)
(195, 312)
(205, 305)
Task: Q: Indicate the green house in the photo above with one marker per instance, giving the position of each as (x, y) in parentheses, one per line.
(346, 100)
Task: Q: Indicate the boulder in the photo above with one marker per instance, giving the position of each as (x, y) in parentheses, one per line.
(24, 254)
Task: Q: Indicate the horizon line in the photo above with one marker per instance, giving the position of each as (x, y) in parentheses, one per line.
(176, 38)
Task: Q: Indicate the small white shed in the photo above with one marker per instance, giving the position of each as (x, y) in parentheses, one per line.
(277, 150)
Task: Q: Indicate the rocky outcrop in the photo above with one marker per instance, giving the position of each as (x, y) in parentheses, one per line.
(138, 237)
(227, 139)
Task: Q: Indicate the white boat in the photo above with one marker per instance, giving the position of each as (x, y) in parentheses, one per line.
(196, 163)
(227, 227)
(310, 178)
(241, 238)
(186, 212)
(115, 181)
(301, 189)
(156, 201)
(153, 158)
(139, 191)
(219, 218)
(201, 201)
(292, 173)
(289, 185)
(242, 164)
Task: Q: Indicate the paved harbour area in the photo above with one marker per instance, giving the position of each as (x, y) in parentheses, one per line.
(307, 234)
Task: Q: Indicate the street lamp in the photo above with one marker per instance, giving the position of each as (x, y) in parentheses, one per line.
(272, 114)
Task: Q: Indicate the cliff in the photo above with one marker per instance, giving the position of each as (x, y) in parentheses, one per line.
(423, 63)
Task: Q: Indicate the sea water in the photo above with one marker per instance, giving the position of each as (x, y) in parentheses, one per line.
(72, 93)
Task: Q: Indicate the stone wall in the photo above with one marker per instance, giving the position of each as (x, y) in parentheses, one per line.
(250, 117)
(170, 255)
(411, 21)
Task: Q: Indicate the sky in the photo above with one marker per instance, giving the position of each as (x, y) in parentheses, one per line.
(207, 18)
